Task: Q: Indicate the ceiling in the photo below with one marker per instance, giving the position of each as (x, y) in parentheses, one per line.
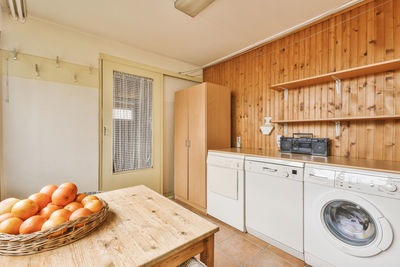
(156, 26)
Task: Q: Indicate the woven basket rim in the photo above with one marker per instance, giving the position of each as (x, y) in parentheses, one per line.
(54, 229)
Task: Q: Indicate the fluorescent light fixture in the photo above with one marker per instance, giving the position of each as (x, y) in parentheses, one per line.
(192, 7)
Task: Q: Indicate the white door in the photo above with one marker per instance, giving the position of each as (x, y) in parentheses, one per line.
(353, 224)
(132, 127)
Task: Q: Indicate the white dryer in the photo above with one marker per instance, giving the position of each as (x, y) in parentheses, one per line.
(351, 217)
(225, 188)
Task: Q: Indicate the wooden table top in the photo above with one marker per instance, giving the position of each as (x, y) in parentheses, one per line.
(142, 228)
(363, 164)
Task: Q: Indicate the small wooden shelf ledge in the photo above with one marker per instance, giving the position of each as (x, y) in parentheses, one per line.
(383, 117)
(343, 74)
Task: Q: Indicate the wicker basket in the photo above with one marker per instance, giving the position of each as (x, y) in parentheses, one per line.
(20, 245)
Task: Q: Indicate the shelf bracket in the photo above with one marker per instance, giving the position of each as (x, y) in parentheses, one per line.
(286, 93)
(337, 123)
(285, 128)
(338, 84)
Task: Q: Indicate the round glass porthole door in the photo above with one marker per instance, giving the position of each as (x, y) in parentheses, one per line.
(349, 223)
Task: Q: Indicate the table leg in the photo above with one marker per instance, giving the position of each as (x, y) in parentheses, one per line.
(207, 256)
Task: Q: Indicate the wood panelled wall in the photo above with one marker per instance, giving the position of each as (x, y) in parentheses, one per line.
(362, 35)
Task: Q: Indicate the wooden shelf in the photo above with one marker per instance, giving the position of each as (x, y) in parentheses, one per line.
(343, 74)
(383, 117)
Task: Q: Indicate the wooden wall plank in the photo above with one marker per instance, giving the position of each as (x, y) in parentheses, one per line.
(396, 42)
(365, 34)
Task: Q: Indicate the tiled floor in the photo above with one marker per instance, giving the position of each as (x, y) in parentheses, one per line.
(234, 248)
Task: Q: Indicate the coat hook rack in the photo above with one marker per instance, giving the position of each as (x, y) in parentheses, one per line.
(57, 62)
(14, 54)
(75, 78)
(37, 70)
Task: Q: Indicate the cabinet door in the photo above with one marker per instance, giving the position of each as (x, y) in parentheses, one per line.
(197, 150)
(181, 150)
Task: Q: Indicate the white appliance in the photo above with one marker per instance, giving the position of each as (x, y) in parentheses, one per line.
(352, 217)
(225, 188)
(274, 202)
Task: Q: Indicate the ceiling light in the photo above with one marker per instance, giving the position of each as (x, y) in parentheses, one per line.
(192, 7)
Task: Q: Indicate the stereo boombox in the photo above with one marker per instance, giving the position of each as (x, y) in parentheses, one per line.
(305, 144)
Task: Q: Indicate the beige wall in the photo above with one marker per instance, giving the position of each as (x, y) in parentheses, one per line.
(171, 85)
(49, 40)
(50, 135)
(36, 39)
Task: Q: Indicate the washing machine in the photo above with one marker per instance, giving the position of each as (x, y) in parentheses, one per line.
(351, 217)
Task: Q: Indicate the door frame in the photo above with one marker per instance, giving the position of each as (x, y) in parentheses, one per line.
(163, 72)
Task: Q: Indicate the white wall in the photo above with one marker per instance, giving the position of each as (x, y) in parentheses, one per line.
(171, 85)
(50, 135)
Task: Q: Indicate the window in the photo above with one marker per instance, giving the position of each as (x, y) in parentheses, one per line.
(132, 122)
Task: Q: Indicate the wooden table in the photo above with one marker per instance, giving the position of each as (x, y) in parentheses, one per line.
(143, 228)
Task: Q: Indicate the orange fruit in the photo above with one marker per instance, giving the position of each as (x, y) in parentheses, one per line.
(61, 213)
(70, 185)
(88, 198)
(49, 189)
(10, 226)
(63, 195)
(7, 204)
(82, 212)
(79, 197)
(32, 224)
(42, 199)
(24, 209)
(54, 222)
(94, 205)
(73, 206)
(5, 216)
(48, 210)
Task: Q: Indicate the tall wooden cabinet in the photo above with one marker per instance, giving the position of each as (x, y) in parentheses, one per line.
(202, 122)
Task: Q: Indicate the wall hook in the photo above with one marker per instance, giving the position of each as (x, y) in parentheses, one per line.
(75, 78)
(57, 62)
(90, 69)
(37, 70)
(14, 54)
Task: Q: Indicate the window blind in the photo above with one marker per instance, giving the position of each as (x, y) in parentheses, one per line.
(132, 122)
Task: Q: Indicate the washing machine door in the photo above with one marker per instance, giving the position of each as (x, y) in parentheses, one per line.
(353, 224)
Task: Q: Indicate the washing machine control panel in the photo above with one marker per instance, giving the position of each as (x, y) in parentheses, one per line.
(377, 185)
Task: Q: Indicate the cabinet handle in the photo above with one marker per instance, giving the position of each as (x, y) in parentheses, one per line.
(189, 143)
(270, 169)
(318, 177)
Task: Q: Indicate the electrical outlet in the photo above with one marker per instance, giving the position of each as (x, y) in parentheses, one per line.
(238, 143)
(278, 140)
